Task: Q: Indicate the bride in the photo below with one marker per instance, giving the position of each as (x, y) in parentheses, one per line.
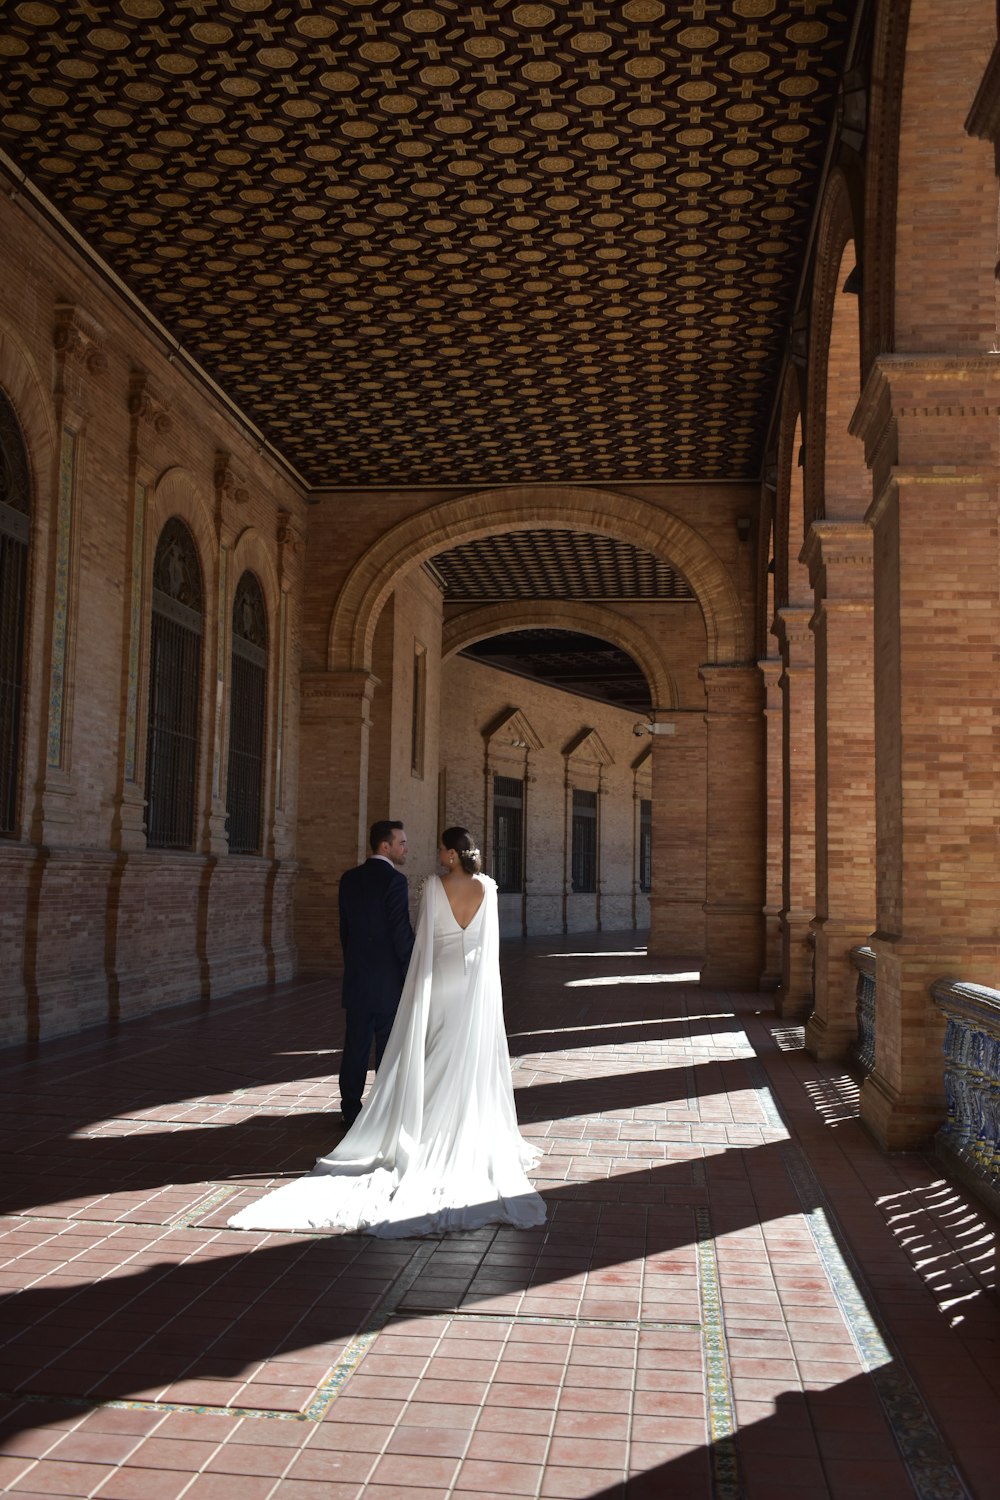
(436, 1146)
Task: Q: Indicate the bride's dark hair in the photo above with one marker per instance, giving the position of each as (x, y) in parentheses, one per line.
(460, 840)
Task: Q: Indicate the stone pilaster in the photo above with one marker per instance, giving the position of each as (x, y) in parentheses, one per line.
(798, 861)
(333, 805)
(770, 669)
(677, 900)
(734, 851)
(931, 434)
(839, 556)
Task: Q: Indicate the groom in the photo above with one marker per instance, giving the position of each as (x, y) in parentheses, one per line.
(377, 940)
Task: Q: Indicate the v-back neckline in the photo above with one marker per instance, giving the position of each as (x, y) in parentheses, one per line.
(475, 914)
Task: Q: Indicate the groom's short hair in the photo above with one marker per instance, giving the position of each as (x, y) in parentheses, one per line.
(381, 833)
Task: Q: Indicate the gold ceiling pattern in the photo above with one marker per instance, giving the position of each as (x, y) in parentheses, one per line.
(448, 243)
(549, 564)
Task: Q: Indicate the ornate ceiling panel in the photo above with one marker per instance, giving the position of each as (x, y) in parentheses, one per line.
(576, 663)
(448, 243)
(555, 565)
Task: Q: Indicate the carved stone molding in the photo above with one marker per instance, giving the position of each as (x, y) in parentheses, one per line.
(289, 537)
(837, 546)
(229, 487)
(338, 688)
(78, 341)
(146, 408)
(792, 627)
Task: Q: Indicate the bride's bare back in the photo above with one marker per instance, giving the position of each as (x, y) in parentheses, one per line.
(465, 895)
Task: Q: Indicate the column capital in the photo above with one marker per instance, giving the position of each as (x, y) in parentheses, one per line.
(332, 694)
(837, 548)
(792, 629)
(737, 690)
(909, 408)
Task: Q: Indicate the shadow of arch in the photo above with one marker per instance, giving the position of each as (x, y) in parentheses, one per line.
(557, 614)
(521, 508)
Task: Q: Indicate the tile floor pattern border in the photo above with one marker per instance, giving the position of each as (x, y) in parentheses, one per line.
(924, 1451)
(718, 1380)
(705, 1154)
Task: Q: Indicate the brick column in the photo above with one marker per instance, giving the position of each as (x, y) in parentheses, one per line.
(677, 900)
(839, 556)
(770, 669)
(930, 429)
(798, 857)
(333, 805)
(734, 887)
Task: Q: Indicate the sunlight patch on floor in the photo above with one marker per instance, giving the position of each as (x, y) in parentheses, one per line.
(608, 979)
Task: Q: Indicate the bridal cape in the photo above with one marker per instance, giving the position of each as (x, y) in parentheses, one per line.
(436, 1147)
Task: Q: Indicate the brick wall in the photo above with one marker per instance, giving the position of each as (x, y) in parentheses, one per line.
(93, 925)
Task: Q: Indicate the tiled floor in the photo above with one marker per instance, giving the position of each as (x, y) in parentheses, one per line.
(735, 1294)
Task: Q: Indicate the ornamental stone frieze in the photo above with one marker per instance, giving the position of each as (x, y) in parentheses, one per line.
(77, 338)
(149, 412)
(290, 539)
(230, 490)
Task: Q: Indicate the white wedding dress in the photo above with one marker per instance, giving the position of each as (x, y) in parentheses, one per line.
(436, 1147)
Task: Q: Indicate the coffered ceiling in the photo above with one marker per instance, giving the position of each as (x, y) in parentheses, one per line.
(450, 243)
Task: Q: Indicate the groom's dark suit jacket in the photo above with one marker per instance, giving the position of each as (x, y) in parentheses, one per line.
(375, 934)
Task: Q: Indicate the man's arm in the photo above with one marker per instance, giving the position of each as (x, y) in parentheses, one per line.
(343, 917)
(397, 910)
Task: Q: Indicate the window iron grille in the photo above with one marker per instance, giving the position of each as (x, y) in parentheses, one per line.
(174, 690)
(15, 531)
(248, 701)
(583, 858)
(508, 834)
(645, 844)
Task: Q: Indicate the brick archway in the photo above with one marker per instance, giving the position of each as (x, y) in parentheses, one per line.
(556, 614)
(520, 508)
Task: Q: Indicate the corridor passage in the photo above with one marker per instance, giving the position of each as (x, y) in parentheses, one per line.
(735, 1293)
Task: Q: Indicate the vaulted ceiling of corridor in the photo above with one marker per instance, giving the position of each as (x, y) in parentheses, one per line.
(448, 243)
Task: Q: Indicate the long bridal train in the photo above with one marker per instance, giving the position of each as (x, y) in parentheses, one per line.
(436, 1147)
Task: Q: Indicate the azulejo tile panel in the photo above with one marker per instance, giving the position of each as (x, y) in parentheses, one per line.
(449, 243)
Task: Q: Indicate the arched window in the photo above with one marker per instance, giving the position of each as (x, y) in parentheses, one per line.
(174, 690)
(246, 717)
(15, 492)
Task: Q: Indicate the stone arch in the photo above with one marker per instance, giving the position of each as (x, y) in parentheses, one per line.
(175, 493)
(837, 483)
(252, 554)
(881, 179)
(521, 508)
(32, 403)
(789, 529)
(31, 400)
(557, 614)
(251, 551)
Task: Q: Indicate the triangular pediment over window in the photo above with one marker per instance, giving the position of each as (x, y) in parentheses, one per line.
(641, 761)
(512, 728)
(589, 746)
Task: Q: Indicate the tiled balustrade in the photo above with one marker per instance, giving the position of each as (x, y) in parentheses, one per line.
(969, 1140)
